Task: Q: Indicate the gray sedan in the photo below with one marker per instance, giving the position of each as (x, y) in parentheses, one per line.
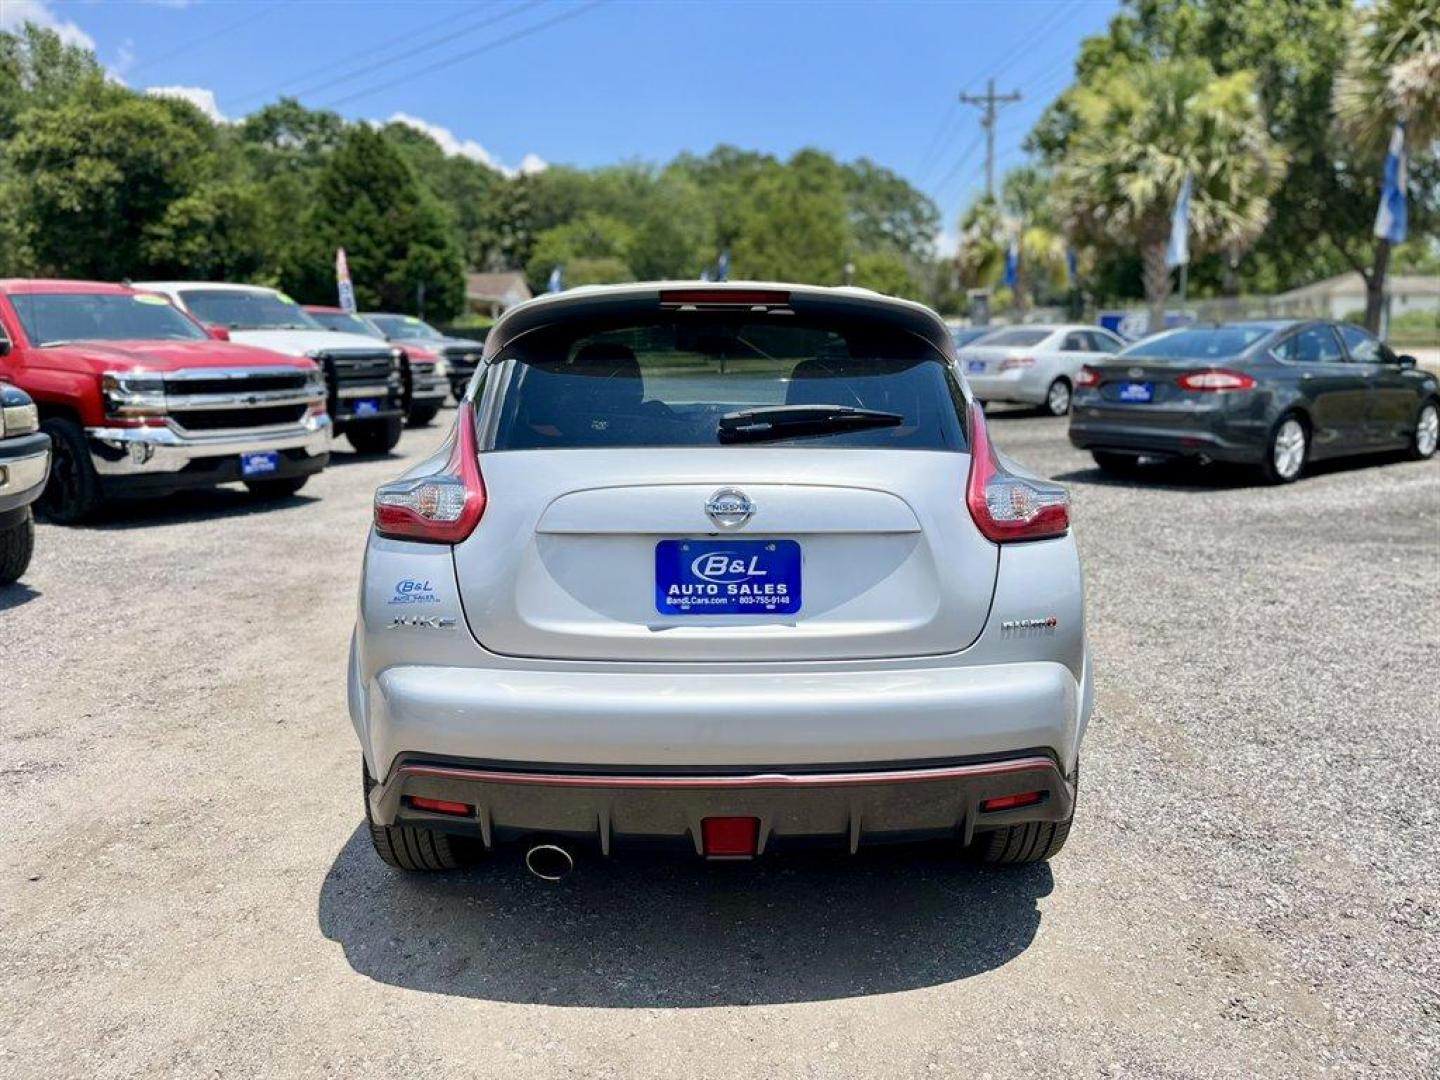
(1275, 394)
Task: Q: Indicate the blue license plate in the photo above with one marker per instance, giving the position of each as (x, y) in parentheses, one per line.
(367, 407)
(259, 464)
(1137, 391)
(727, 577)
(975, 366)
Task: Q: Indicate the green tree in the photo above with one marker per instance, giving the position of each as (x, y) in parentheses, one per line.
(795, 225)
(886, 272)
(93, 174)
(396, 237)
(1136, 136)
(214, 233)
(1391, 74)
(603, 242)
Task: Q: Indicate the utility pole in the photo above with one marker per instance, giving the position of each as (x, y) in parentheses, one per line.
(988, 101)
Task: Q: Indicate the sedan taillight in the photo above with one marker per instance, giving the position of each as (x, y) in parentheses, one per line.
(1007, 507)
(1216, 379)
(1010, 363)
(444, 507)
(1088, 377)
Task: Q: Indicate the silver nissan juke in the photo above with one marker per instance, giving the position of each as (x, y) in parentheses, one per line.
(732, 568)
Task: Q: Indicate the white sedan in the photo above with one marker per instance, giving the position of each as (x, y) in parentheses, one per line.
(1034, 364)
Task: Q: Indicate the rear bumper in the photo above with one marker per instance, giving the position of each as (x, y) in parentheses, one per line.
(578, 718)
(1224, 441)
(836, 809)
(24, 467)
(1027, 385)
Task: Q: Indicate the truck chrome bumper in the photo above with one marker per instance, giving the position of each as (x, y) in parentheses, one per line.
(143, 451)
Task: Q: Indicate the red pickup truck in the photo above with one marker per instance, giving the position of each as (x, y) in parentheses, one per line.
(139, 399)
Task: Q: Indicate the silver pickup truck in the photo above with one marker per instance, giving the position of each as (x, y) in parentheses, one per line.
(24, 467)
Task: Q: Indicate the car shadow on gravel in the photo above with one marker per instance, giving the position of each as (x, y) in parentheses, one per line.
(16, 594)
(648, 932)
(206, 504)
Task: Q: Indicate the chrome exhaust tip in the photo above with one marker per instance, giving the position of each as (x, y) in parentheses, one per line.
(549, 861)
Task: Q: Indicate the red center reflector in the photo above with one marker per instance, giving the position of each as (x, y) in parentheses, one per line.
(730, 835)
(441, 806)
(1010, 802)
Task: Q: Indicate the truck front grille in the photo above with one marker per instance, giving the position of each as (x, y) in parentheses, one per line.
(244, 417)
(238, 385)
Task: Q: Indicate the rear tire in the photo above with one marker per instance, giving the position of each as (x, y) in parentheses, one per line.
(375, 436)
(1286, 451)
(282, 488)
(1057, 397)
(73, 491)
(1427, 432)
(17, 544)
(1119, 464)
(1028, 842)
(406, 847)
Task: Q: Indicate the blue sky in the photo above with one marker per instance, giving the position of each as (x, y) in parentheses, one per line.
(593, 83)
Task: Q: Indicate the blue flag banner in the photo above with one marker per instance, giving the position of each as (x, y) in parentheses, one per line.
(1012, 265)
(1178, 251)
(1390, 218)
(557, 280)
(1072, 269)
(722, 267)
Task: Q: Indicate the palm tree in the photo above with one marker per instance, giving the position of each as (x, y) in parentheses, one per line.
(1392, 73)
(1139, 130)
(988, 227)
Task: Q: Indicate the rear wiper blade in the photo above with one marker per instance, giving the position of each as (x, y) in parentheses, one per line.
(792, 421)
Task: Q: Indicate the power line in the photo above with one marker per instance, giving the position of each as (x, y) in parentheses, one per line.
(568, 13)
(249, 16)
(452, 32)
(959, 164)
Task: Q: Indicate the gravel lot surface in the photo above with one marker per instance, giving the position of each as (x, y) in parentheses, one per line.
(1251, 889)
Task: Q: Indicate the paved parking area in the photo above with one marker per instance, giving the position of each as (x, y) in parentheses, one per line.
(185, 889)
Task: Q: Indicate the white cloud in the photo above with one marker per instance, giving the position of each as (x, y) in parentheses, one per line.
(16, 13)
(453, 146)
(199, 96)
(124, 60)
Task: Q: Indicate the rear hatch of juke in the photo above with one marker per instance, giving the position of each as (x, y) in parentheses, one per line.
(691, 478)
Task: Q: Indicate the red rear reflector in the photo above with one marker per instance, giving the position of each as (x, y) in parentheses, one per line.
(1216, 379)
(441, 806)
(725, 297)
(1010, 802)
(730, 835)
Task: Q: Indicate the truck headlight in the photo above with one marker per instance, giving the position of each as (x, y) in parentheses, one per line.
(133, 395)
(442, 369)
(18, 414)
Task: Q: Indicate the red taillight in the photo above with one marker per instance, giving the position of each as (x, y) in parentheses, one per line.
(1010, 802)
(1010, 363)
(444, 507)
(1008, 507)
(441, 806)
(1088, 377)
(1216, 379)
(730, 835)
(724, 298)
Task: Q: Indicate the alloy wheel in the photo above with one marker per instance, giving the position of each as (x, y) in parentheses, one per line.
(1427, 431)
(1289, 449)
(1058, 399)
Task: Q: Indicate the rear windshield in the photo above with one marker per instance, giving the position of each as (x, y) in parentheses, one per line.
(1016, 337)
(55, 318)
(405, 327)
(1201, 343)
(672, 381)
